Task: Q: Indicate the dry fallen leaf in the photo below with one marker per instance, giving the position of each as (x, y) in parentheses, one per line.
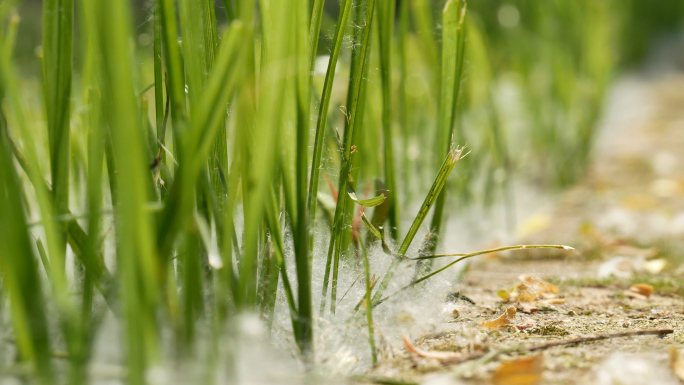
(504, 295)
(552, 301)
(530, 289)
(676, 363)
(524, 326)
(640, 290)
(528, 308)
(503, 320)
(523, 371)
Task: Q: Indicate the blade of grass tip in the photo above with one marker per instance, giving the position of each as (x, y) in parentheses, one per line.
(356, 77)
(271, 278)
(449, 162)
(343, 18)
(302, 48)
(58, 21)
(378, 233)
(370, 202)
(19, 270)
(369, 308)
(386, 11)
(452, 41)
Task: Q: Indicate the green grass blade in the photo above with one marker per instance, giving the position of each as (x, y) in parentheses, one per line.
(386, 11)
(342, 20)
(315, 29)
(207, 119)
(19, 270)
(138, 262)
(302, 52)
(355, 89)
(449, 162)
(54, 231)
(158, 70)
(370, 202)
(174, 65)
(453, 40)
(271, 98)
(20, 275)
(58, 21)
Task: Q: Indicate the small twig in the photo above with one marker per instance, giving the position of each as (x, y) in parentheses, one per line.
(456, 358)
(642, 332)
(383, 380)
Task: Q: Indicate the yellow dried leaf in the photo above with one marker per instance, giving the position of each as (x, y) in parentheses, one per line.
(503, 320)
(533, 288)
(539, 284)
(641, 289)
(523, 371)
(504, 295)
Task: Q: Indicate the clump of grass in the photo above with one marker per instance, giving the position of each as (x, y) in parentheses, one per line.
(231, 136)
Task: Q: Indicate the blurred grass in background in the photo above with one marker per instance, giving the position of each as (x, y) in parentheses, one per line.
(166, 161)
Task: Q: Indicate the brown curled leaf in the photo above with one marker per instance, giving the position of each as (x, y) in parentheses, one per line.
(504, 320)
